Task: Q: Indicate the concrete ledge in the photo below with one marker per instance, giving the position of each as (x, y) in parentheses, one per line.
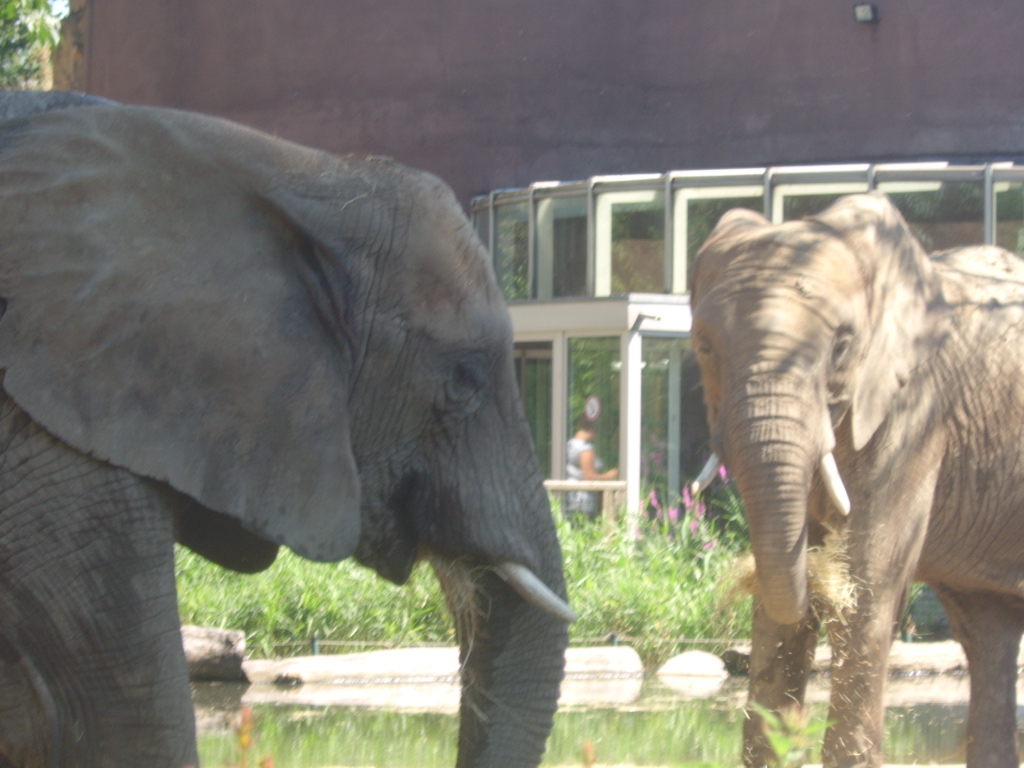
(945, 657)
(428, 678)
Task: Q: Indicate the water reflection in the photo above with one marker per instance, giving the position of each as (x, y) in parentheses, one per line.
(656, 727)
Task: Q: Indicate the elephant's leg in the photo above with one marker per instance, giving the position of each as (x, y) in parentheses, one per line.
(883, 543)
(989, 627)
(860, 663)
(780, 664)
(92, 671)
(861, 641)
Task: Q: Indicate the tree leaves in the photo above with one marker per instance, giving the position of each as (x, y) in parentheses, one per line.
(28, 32)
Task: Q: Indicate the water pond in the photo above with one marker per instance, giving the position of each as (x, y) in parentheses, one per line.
(657, 727)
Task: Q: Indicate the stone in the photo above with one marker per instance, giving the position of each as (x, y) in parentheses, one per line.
(214, 654)
(696, 674)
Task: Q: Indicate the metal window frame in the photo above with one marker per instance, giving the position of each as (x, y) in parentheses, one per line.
(769, 178)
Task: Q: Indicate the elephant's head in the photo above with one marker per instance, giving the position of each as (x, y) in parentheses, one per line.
(804, 331)
(311, 350)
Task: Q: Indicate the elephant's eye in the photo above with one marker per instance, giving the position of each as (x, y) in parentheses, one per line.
(466, 378)
(841, 347)
(702, 345)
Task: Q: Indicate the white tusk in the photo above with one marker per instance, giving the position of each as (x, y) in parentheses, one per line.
(834, 483)
(706, 475)
(535, 591)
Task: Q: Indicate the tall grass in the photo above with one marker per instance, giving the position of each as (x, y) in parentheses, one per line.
(659, 586)
(341, 605)
(663, 585)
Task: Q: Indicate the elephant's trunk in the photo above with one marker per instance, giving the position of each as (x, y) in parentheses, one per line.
(772, 456)
(512, 655)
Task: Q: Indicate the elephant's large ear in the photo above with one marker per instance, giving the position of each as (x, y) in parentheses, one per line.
(720, 247)
(903, 304)
(163, 315)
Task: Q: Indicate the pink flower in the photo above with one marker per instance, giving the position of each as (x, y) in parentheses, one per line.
(711, 545)
(698, 514)
(655, 502)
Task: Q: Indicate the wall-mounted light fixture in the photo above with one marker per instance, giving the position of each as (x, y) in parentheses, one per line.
(866, 13)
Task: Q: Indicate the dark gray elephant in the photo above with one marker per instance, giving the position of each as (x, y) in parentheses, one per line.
(833, 349)
(17, 104)
(218, 337)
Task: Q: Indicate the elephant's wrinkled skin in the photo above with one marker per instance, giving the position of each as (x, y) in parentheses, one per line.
(838, 336)
(216, 336)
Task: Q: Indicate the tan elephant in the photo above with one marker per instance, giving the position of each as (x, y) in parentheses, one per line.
(215, 336)
(845, 371)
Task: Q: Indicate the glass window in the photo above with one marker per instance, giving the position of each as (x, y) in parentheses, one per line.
(1010, 216)
(942, 215)
(660, 417)
(629, 243)
(482, 224)
(697, 211)
(533, 370)
(511, 249)
(595, 366)
(797, 201)
(562, 247)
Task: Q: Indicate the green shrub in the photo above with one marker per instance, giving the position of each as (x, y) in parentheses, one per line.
(660, 587)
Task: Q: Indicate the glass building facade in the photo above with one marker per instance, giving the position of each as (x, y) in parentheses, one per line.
(596, 277)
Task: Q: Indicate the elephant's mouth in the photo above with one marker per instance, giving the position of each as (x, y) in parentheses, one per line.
(388, 543)
(403, 530)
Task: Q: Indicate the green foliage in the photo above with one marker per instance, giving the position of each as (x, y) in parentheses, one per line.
(283, 608)
(791, 734)
(664, 586)
(649, 589)
(512, 249)
(651, 594)
(28, 31)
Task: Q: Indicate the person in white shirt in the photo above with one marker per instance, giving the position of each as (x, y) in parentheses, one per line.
(583, 463)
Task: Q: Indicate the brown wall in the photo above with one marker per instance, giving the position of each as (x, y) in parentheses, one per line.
(497, 93)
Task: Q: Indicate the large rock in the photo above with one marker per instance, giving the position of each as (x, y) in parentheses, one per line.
(214, 654)
(696, 674)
